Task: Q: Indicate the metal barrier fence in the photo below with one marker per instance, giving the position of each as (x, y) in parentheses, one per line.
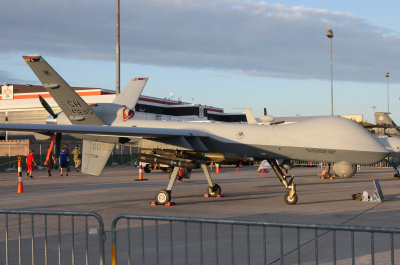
(51, 237)
(177, 240)
(48, 237)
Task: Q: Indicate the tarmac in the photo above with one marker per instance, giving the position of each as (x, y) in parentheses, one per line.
(247, 196)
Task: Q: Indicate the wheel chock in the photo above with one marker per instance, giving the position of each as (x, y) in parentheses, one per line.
(395, 177)
(326, 176)
(183, 181)
(218, 196)
(166, 204)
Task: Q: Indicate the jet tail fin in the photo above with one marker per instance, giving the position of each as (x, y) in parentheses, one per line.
(95, 156)
(383, 119)
(249, 116)
(131, 93)
(74, 107)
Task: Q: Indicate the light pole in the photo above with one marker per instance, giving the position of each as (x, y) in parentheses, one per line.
(329, 34)
(387, 76)
(373, 107)
(117, 51)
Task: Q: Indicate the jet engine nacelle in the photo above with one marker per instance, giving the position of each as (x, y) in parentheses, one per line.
(344, 169)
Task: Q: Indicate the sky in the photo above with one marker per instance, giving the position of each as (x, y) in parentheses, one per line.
(224, 53)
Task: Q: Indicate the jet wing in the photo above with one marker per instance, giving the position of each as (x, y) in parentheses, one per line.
(116, 131)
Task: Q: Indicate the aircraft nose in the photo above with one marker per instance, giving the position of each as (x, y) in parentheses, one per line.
(366, 148)
(375, 153)
(347, 140)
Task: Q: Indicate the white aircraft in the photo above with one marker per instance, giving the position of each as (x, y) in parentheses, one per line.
(344, 168)
(183, 144)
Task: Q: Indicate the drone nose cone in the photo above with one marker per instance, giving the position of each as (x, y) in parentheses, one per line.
(335, 139)
(373, 155)
(362, 147)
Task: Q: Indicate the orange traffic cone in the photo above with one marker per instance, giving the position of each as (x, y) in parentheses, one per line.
(140, 173)
(20, 185)
(217, 166)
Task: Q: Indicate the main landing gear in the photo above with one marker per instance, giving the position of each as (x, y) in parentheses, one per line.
(396, 175)
(164, 196)
(290, 196)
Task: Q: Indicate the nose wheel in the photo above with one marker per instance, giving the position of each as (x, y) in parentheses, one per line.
(163, 197)
(290, 200)
(214, 191)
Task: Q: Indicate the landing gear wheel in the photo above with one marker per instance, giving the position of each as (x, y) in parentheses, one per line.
(290, 201)
(214, 190)
(163, 196)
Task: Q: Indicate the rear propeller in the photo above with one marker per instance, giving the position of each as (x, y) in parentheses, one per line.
(47, 107)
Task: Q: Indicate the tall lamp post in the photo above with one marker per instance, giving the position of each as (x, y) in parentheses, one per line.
(117, 51)
(387, 76)
(329, 34)
(373, 107)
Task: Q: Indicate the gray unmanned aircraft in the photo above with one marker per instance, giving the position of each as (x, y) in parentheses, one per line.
(390, 140)
(184, 144)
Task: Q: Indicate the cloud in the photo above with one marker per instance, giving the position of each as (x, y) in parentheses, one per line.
(252, 38)
(6, 77)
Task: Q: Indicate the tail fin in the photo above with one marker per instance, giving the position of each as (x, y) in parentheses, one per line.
(266, 120)
(383, 119)
(95, 156)
(249, 116)
(74, 107)
(131, 93)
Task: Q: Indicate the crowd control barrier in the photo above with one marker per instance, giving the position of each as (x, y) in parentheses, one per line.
(176, 240)
(64, 237)
(51, 237)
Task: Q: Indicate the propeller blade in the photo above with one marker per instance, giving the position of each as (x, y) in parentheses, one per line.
(47, 107)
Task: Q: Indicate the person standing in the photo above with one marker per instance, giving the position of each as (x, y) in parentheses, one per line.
(67, 151)
(50, 161)
(76, 155)
(63, 161)
(30, 161)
